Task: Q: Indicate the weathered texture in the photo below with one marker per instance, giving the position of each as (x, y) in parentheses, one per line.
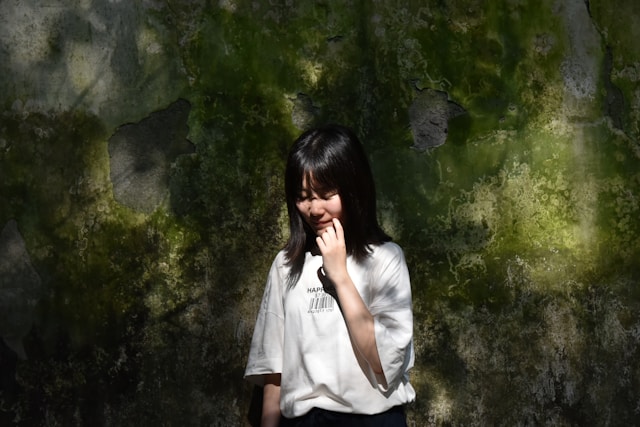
(20, 289)
(141, 154)
(142, 146)
(303, 114)
(429, 115)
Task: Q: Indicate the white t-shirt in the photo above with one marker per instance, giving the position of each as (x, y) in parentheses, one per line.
(300, 333)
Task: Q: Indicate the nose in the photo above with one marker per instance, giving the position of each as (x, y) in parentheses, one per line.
(316, 208)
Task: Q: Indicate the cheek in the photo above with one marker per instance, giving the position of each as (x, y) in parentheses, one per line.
(302, 209)
(336, 208)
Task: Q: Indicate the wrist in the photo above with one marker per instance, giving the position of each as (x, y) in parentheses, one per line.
(340, 279)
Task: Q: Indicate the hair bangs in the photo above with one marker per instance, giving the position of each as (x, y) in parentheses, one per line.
(318, 175)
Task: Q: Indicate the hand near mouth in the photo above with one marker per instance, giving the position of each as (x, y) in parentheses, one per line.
(334, 251)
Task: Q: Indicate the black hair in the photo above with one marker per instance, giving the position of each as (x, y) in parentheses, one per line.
(331, 158)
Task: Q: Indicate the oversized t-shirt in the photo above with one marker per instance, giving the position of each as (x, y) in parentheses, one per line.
(300, 333)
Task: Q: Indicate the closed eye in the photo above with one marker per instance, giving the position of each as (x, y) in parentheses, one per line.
(304, 197)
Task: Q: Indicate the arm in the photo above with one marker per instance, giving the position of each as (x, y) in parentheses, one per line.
(271, 401)
(359, 322)
(356, 314)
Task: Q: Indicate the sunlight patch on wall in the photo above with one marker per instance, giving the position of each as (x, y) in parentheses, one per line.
(311, 71)
(147, 41)
(86, 71)
(26, 30)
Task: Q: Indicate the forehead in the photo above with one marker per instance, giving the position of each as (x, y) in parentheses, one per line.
(310, 183)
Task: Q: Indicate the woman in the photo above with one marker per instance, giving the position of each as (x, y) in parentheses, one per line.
(333, 341)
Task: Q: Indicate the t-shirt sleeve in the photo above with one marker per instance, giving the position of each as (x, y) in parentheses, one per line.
(391, 308)
(265, 354)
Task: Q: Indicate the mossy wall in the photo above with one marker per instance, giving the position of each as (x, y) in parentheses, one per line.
(142, 147)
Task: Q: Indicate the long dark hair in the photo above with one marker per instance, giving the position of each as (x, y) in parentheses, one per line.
(331, 158)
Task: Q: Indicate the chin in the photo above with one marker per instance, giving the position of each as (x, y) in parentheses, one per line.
(321, 230)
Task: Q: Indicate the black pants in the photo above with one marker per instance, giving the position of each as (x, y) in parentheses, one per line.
(394, 417)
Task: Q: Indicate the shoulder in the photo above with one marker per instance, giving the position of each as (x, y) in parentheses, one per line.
(387, 269)
(387, 250)
(280, 264)
(385, 255)
(281, 259)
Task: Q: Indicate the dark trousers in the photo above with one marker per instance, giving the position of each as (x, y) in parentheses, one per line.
(394, 417)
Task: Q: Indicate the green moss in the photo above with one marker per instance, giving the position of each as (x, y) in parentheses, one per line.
(520, 231)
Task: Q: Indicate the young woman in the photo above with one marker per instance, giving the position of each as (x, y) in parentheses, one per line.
(333, 341)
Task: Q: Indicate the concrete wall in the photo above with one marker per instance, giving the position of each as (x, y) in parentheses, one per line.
(142, 147)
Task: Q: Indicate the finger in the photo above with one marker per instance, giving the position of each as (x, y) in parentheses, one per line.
(338, 227)
(331, 230)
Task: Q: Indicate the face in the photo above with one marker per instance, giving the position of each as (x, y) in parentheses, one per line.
(318, 210)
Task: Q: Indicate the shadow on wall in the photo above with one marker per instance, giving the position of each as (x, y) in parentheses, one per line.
(141, 155)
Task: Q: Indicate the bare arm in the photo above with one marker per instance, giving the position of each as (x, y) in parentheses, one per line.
(359, 322)
(356, 314)
(271, 401)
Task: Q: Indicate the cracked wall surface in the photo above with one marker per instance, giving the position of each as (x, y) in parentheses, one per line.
(142, 147)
